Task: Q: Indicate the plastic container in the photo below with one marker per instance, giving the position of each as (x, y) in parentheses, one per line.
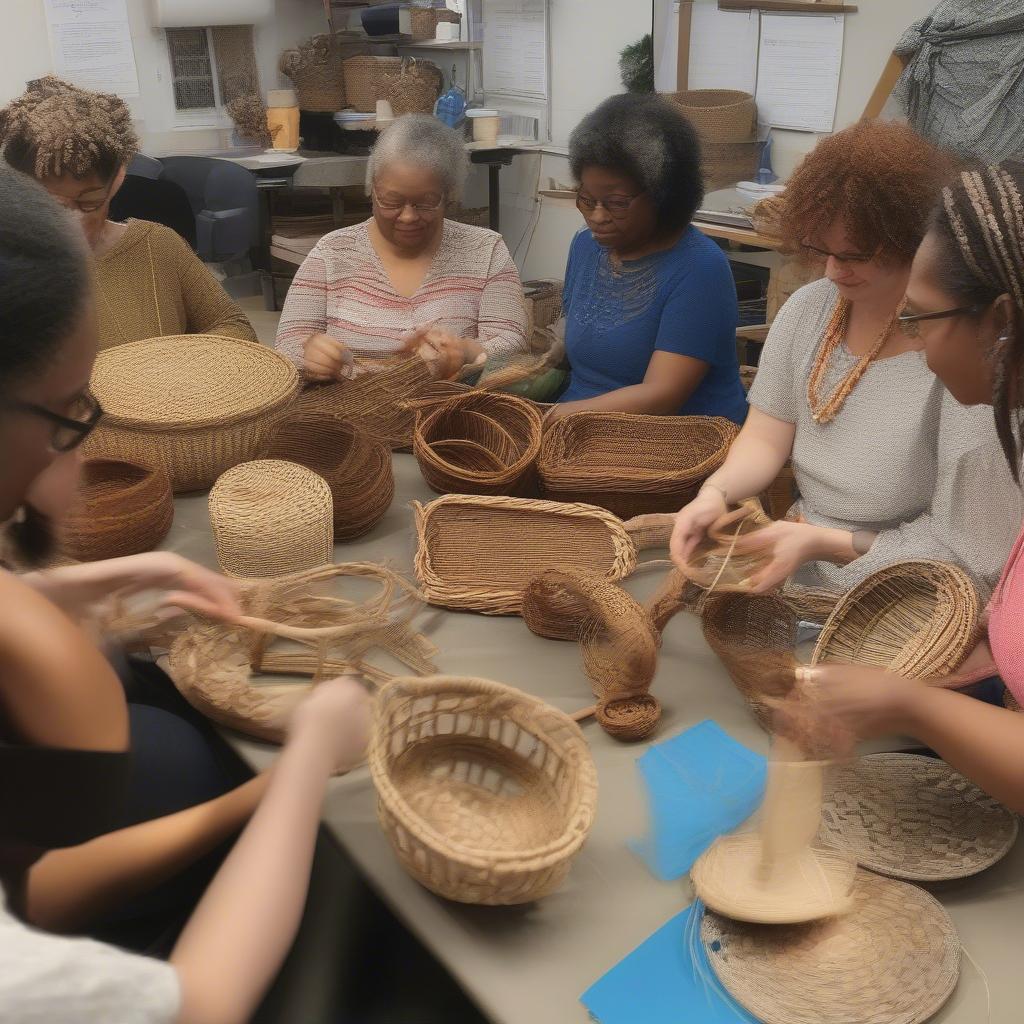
(486, 124)
(283, 119)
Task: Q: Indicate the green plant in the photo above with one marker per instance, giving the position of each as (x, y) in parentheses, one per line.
(636, 65)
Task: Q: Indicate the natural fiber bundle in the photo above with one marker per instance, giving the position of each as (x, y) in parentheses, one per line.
(270, 518)
(414, 88)
(766, 216)
(213, 665)
(486, 793)
(719, 115)
(366, 79)
(121, 508)
(894, 958)
(914, 817)
(478, 553)
(357, 468)
(916, 619)
(630, 463)
(714, 565)
(199, 404)
(478, 443)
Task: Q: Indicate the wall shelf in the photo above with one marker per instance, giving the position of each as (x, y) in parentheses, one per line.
(792, 6)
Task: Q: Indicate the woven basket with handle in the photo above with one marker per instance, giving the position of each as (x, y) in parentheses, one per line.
(414, 88)
(316, 70)
(366, 80)
(485, 793)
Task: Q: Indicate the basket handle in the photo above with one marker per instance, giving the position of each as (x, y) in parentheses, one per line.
(650, 531)
(669, 599)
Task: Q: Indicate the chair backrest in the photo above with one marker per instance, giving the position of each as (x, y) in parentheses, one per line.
(155, 199)
(143, 166)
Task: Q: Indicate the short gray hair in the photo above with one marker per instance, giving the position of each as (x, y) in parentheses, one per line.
(422, 140)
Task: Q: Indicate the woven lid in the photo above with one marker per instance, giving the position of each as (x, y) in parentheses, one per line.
(893, 959)
(914, 817)
(190, 380)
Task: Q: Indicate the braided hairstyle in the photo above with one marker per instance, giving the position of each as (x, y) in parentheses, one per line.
(979, 229)
(55, 128)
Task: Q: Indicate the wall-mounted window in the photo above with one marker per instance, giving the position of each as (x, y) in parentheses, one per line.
(211, 66)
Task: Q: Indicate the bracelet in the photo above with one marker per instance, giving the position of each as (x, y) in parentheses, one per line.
(715, 487)
(862, 541)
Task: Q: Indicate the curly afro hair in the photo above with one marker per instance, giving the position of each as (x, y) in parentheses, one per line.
(879, 177)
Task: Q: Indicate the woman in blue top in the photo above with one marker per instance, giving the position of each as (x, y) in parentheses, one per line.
(650, 303)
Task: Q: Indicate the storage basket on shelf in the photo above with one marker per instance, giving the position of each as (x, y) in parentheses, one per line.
(357, 468)
(479, 443)
(316, 70)
(485, 792)
(424, 21)
(630, 463)
(270, 518)
(726, 163)
(719, 115)
(120, 508)
(414, 87)
(366, 80)
(198, 403)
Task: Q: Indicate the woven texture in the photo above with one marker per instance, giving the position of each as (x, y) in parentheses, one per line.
(270, 518)
(916, 619)
(914, 817)
(479, 444)
(120, 508)
(357, 468)
(719, 115)
(197, 403)
(485, 792)
(630, 463)
(893, 959)
(414, 88)
(543, 303)
(366, 80)
(424, 21)
(316, 70)
(713, 563)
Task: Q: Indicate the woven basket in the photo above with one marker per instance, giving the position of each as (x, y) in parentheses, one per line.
(629, 463)
(893, 959)
(725, 163)
(719, 115)
(485, 792)
(479, 443)
(415, 88)
(424, 21)
(713, 564)
(357, 469)
(316, 70)
(121, 508)
(366, 80)
(478, 553)
(543, 303)
(270, 518)
(197, 403)
(916, 619)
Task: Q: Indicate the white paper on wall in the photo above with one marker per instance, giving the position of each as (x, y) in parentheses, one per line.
(515, 48)
(91, 42)
(723, 49)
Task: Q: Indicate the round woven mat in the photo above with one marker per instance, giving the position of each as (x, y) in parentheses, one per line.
(914, 817)
(189, 380)
(893, 959)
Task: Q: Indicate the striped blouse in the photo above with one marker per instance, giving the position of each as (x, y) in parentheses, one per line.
(472, 290)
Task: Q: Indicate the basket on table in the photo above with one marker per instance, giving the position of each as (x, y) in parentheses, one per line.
(485, 793)
(478, 443)
(120, 508)
(630, 463)
(316, 70)
(424, 21)
(356, 467)
(543, 303)
(366, 80)
(270, 518)
(414, 87)
(196, 403)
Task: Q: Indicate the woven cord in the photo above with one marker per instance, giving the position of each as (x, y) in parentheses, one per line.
(156, 294)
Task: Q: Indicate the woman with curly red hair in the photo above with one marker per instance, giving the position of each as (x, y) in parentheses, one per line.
(884, 462)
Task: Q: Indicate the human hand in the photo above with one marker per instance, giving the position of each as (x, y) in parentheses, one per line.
(336, 714)
(193, 587)
(444, 353)
(783, 547)
(325, 358)
(692, 522)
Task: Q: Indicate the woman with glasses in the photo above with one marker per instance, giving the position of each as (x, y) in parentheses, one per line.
(408, 277)
(148, 283)
(650, 303)
(886, 468)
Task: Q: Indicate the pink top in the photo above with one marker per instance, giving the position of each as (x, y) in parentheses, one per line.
(1005, 636)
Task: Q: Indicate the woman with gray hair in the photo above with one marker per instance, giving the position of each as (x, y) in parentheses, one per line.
(408, 276)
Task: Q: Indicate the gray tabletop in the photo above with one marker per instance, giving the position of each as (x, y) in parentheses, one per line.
(529, 965)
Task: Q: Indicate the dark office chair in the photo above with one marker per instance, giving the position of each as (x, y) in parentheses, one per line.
(147, 195)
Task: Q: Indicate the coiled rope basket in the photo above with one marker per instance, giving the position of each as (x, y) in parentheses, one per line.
(485, 793)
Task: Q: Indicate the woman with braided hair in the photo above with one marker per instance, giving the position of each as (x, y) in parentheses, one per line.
(148, 282)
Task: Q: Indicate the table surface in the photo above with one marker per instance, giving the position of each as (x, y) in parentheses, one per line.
(529, 965)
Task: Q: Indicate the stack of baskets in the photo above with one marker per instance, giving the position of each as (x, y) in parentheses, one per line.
(410, 86)
(726, 121)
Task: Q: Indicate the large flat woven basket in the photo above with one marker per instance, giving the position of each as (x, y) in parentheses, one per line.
(485, 792)
(629, 463)
(197, 403)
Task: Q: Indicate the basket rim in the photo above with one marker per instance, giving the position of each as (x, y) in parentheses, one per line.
(150, 474)
(276, 470)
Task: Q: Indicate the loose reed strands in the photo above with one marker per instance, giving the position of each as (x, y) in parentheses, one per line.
(196, 403)
(486, 793)
(917, 619)
(478, 552)
(894, 958)
(914, 817)
(357, 468)
(121, 508)
(270, 518)
(630, 464)
(714, 564)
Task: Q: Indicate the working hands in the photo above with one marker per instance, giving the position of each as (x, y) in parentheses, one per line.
(783, 547)
(692, 523)
(325, 358)
(444, 353)
(335, 715)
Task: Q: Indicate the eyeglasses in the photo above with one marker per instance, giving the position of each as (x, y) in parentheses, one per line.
(397, 205)
(85, 205)
(68, 431)
(840, 257)
(911, 322)
(614, 206)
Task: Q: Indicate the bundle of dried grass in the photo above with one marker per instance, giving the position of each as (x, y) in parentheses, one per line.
(249, 114)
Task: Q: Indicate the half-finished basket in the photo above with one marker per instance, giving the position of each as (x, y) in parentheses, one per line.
(485, 792)
(357, 468)
(198, 403)
(478, 552)
(120, 508)
(629, 463)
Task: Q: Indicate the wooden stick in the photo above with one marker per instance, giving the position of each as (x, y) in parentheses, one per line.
(584, 713)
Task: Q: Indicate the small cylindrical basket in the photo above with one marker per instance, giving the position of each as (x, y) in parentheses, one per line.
(719, 115)
(270, 518)
(121, 508)
(366, 80)
(414, 88)
(485, 792)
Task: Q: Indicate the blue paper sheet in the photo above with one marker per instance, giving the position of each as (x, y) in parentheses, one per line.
(700, 785)
(665, 980)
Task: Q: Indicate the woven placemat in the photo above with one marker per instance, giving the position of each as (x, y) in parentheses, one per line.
(914, 817)
(893, 959)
